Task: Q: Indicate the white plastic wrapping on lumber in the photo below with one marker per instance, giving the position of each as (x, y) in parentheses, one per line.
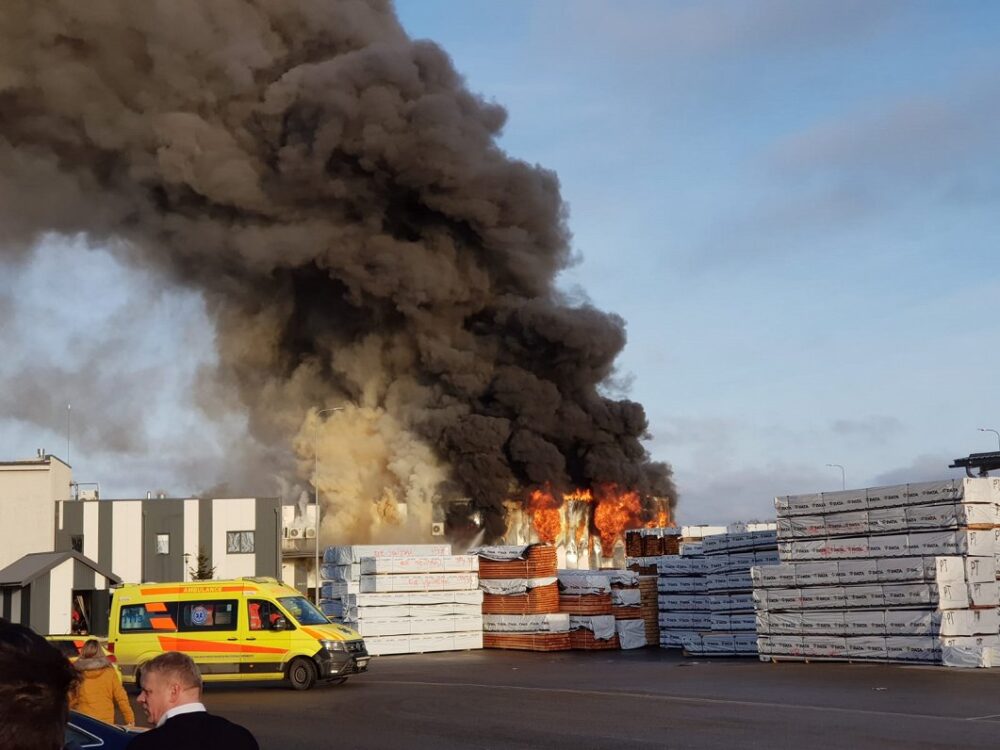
(970, 651)
(631, 633)
(416, 625)
(418, 644)
(470, 596)
(411, 610)
(685, 620)
(602, 626)
(509, 586)
(340, 573)
(626, 597)
(423, 564)
(347, 554)
(419, 582)
(502, 552)
(676, 565)
(583, 582)
(536, 623)
(970, 622)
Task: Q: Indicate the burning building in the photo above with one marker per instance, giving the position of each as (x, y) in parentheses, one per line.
(380, 274)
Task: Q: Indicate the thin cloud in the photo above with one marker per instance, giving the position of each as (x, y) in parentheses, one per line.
(876, 428)
(728, 28)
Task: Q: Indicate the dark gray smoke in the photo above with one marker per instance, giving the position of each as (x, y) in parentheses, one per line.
(339, 198)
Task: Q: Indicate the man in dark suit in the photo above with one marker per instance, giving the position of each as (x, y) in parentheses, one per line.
(171, 698)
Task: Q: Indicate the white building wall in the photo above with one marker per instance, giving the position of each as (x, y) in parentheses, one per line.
(61, 598)
(232, 514)
(28, 491)
(190, 536)
(126, 533)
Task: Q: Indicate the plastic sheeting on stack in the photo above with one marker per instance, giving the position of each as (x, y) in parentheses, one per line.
(584, 593)
(520, 582)
(901, 573)
(706, 604)
(593, 633)
(405, 598)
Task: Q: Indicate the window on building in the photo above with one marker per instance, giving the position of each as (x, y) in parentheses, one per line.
(239, 542)
(197, 617)
(163, 544)
(76, 542)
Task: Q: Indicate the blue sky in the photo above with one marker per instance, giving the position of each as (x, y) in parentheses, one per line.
(792, 204)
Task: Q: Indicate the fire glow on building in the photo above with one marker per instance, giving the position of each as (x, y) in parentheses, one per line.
(586, 526)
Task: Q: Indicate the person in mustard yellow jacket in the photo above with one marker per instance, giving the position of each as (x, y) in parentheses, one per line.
(100, 688)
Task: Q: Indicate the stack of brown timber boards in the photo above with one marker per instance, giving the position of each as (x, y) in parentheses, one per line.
(520, 582)
(650, 608)
(586, 604)
(583, 639)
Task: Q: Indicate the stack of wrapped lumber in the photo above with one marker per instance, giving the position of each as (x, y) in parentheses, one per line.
(729, 558)
(685, 609)
(643, 546)
(588, 596)
(901, 573)
(520, 594)
(404, 598)
(706, 600)
(650, 608)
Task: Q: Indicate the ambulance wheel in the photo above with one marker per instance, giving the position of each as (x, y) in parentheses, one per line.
(302, 673)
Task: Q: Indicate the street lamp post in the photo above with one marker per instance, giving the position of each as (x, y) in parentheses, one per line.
(990, 429)
(843, 475)
(320, 413)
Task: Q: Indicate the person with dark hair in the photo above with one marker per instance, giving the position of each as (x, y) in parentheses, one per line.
(35, 683)
(100, 687)
(171, 698)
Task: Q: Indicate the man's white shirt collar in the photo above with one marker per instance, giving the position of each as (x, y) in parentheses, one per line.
(187, 708)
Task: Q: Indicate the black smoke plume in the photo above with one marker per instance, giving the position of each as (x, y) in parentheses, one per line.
(338, 197)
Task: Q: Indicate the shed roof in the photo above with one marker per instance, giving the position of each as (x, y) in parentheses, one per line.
(28, 568)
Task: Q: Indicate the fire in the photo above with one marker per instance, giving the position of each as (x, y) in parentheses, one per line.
(546, 515)
(661, 521)
(580, 496)
(616, 511)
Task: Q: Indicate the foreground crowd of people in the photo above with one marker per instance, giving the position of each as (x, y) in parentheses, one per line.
(38, 686)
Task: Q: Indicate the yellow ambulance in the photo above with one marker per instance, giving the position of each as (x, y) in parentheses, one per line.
(237, 630)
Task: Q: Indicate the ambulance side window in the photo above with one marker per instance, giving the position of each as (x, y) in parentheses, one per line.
(263, 615)
(211, 615)
(148, 617)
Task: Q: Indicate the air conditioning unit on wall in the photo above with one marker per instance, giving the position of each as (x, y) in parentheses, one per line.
(310, 533)
(437, 529)
(294, 532)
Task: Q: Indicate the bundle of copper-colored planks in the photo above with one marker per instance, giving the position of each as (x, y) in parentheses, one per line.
(633, 544)
(541, 600)
(539, 562)
(586, 604)
(650, 608)
(584, 640)
(528, 641)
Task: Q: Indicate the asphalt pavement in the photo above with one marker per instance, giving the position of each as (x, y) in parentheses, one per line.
(650, 698)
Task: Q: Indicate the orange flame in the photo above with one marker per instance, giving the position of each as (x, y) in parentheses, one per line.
(616, 511)
(581, 496)
(546, 515)
(661, 521)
